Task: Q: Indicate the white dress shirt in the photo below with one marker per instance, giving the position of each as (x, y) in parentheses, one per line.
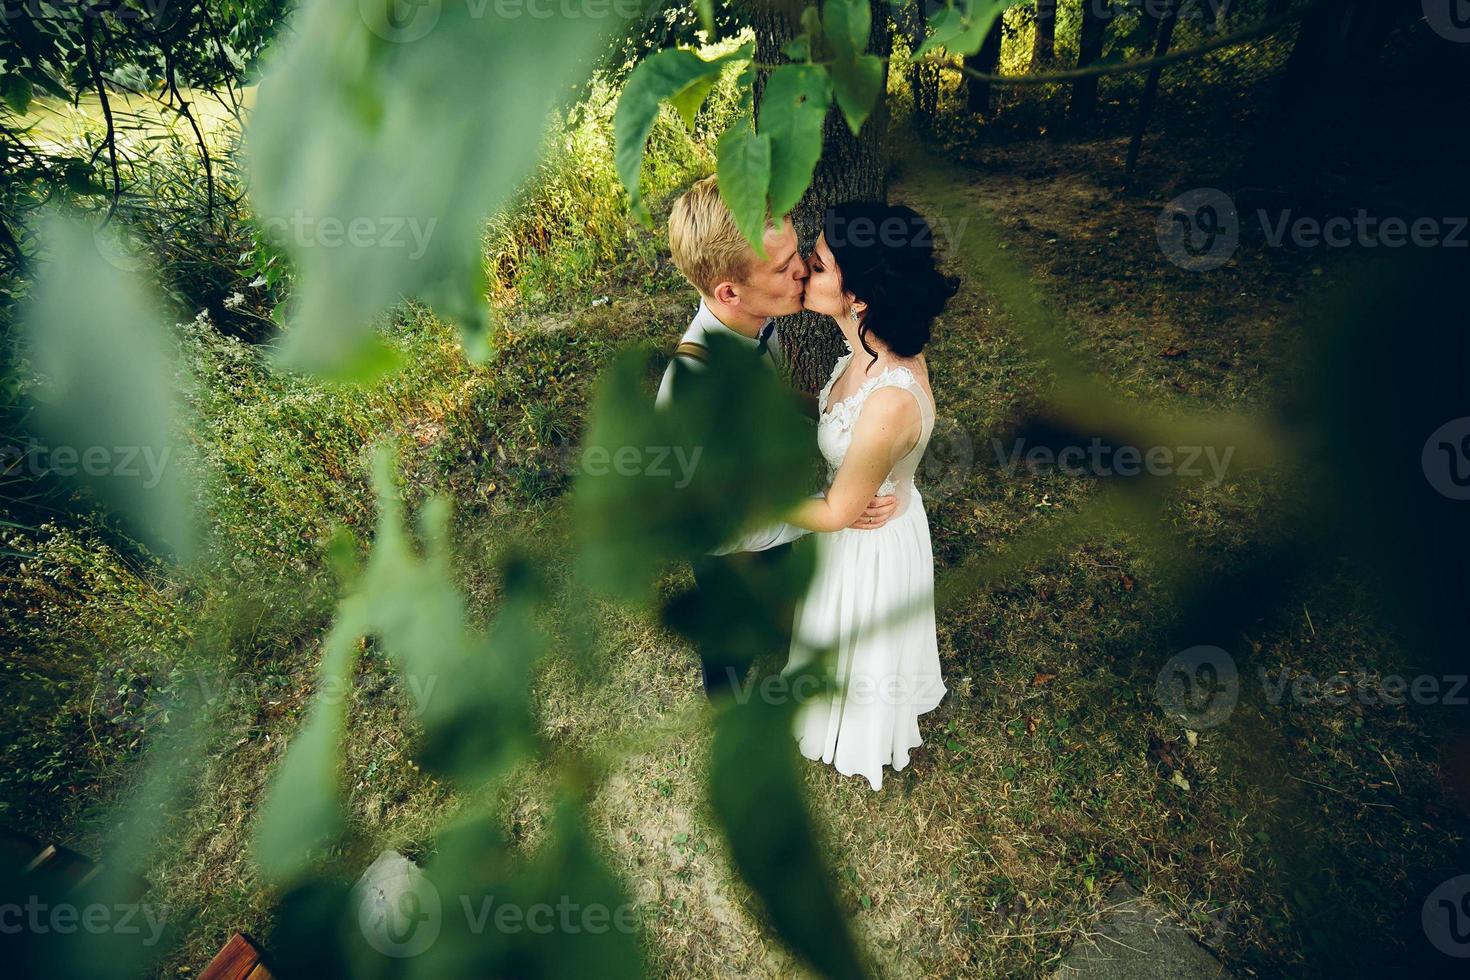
(701, 327)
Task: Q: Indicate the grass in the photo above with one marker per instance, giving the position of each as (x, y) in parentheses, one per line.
(1286, 839)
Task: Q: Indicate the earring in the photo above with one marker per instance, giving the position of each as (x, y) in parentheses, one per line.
(852, 313)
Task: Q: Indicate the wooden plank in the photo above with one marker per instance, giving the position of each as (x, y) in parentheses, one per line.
(236, 960)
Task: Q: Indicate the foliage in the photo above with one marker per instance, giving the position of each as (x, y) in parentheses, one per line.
(476, 733)
(768, 158)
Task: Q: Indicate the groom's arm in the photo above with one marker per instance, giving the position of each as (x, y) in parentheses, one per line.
(808, 405)
(763, 539)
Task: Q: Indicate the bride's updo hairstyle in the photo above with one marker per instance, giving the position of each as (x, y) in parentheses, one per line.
(885, 254)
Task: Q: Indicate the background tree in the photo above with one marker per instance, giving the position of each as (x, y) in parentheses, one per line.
(986, 61)
(1044, 47)
(1097, 15)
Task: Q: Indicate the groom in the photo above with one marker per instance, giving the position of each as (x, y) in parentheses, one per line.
(739, 295)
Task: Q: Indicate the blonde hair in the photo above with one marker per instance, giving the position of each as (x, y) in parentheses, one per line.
(707, 246)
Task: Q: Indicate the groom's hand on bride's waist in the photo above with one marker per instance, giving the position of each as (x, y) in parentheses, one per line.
(876, 514)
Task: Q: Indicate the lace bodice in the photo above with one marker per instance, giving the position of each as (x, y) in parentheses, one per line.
(836, 422)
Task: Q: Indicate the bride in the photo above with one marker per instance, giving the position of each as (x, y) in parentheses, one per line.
(870, 608)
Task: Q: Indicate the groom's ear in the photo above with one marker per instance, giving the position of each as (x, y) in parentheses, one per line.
(725, 293)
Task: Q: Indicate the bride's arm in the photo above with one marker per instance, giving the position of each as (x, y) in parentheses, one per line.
(887, 428)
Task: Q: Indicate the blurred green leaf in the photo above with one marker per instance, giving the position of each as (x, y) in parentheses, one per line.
(108, 408)
(772, 839)
(846, 24)
(303, 811)
(744, 163)
(437, 116)
(943, 27)
(792, 110)
(656, 486)
(471, 694)
(978, 21)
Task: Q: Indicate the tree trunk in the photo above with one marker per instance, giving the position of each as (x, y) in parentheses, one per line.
(851, 168)
(986, 60)
(923, 77)
(1286, 145)
(1044, 49)
(1096, 16)
(1162, 38)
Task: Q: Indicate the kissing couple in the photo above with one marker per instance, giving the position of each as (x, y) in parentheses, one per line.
(871, 600)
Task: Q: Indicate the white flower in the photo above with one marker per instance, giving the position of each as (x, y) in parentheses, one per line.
(234, 300)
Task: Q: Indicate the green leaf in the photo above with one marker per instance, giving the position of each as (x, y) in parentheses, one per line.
(772, 839)
(857, 84)
(660, 76)
(943, 27)
(706, 11)
(16, 90)
(811, 22)
(469, 692)
(846, 25)
(979, 19)
(671, 74)
(405, 219)
(108, 408)
(77, 176)
(744, 164)
(799, 48)
(793, 108)
(688, 100)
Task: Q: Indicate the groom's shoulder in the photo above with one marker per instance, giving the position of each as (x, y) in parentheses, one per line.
(692, 344)
(692, 350)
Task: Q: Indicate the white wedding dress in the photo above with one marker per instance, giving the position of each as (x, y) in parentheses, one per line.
(872, 602)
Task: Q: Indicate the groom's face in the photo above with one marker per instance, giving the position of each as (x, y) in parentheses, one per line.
(775, 284)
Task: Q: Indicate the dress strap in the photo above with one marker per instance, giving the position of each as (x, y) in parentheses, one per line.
(902, 377)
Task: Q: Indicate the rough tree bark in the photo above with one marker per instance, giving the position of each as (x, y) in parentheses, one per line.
(851, 168)
(1044, 49)
(1096, 16)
